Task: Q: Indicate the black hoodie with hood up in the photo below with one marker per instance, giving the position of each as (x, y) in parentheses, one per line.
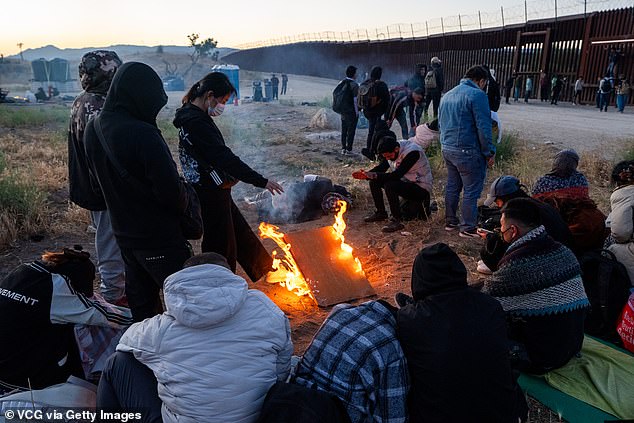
(455, 342)
(147, 219)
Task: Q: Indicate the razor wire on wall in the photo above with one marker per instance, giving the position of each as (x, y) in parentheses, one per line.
(520, 13)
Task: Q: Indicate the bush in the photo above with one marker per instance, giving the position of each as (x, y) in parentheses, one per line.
(506, 149)
(628, 154)
(325, 102)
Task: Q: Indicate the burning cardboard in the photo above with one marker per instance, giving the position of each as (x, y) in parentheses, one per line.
(329, 274)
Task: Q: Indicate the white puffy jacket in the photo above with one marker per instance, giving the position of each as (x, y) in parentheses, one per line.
(621, 223)
(216, 350)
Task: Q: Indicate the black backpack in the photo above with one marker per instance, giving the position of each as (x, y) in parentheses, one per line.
(342, 97)
(606, 87)
(607, 286)
(368, 97)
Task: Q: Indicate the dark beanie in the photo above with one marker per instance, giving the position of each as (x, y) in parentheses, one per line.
(437, 269)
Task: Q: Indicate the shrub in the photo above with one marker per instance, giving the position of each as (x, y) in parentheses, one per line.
(325, 102)
(506, 149)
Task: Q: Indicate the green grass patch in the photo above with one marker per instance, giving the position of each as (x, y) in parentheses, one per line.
(30, 116)
(628, 153)
(506, 150)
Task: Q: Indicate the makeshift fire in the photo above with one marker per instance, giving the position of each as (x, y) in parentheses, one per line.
(330, 272)
(286, 271)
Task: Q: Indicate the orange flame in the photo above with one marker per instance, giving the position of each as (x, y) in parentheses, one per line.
(286, 269)
(338, 228)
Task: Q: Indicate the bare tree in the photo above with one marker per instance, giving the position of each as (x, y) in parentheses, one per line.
(204, 48)
(20, 47)
(170, 68)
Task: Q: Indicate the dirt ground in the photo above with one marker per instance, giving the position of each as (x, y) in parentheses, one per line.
(274, 138)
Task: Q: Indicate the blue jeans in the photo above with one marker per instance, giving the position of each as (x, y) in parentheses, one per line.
(465, 169)
(621, 99)
(605, 101)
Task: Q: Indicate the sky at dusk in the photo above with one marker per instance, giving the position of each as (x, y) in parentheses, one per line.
(75, 24)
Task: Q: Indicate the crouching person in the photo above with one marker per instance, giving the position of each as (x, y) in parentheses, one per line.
(409, 178)
(454, 338)
(538, 283)
(41, 304)
(356, 356)
(214, 352)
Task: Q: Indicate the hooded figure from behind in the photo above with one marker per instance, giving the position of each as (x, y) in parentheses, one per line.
(146, 205)
(454, 339)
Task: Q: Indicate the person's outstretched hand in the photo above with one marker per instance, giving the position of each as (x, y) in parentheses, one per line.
(274, 187)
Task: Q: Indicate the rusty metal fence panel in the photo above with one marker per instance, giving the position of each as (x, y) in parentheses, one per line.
(567, 46)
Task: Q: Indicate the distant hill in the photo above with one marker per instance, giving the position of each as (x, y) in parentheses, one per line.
(74, 54)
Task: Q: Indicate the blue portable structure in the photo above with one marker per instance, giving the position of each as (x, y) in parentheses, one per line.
(233, 73)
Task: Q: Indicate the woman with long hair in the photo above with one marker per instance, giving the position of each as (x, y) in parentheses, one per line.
(213, 168)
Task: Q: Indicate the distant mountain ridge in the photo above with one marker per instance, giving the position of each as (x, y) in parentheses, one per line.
(125, 51)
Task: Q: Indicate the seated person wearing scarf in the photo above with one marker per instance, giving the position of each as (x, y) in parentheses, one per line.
(538, 283)
(566, 189)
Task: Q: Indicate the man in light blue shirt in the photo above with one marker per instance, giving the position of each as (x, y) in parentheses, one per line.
(467, 148)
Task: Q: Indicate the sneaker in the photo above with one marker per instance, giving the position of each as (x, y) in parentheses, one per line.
(471, 233)
(483, 268)
(403, 299)
(369, 154)
(393, 226)
(375, 217)
(344, 152)
(451, 226)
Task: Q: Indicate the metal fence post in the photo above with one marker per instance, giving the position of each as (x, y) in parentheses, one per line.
(525, 12)
(442, 26)
(460, 22)
(502, 11)
(480, 20)
(427, 28)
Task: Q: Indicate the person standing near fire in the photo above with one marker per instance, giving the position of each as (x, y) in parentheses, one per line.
(212, 168)
(96, 70)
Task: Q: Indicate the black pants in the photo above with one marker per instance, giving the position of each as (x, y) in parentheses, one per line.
(418, 112)
(372, 120)
(394, 190)
(348, 129)
(401, 118)
(275, 92)
(283, 92)
(435, 97)
(145, 272)
(226, 232)
(126, 385)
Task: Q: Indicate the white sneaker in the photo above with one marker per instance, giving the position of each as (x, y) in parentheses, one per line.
(483, 268)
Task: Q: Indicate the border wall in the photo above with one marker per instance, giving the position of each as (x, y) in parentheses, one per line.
(567, 46)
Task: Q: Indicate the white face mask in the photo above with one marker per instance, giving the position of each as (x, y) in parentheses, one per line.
(216, 111)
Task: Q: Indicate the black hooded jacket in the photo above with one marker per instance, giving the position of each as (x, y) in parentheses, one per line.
(210, 144)
(454, 339)
(146, 219)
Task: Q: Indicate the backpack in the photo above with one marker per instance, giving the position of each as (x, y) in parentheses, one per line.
(430, 81)
(606, 87)
(368, 97)
(342, 97)
(607, 286)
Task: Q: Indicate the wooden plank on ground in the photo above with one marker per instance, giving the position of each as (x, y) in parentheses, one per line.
(331, 274)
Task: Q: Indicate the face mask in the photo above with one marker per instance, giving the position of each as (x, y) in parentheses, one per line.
(216, 111)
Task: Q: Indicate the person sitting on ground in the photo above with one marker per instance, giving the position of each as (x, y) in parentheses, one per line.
(563, 180)
(356, 356)
(38, 300)
(504, 189)
(215, 351)
(538, 283)
(410, 178)
(566, 189)
(400, 98)
(40, 95)
(427, 134)
(444, 318)
(621, 218)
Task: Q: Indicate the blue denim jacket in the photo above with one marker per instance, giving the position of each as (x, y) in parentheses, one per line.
(465, 119)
